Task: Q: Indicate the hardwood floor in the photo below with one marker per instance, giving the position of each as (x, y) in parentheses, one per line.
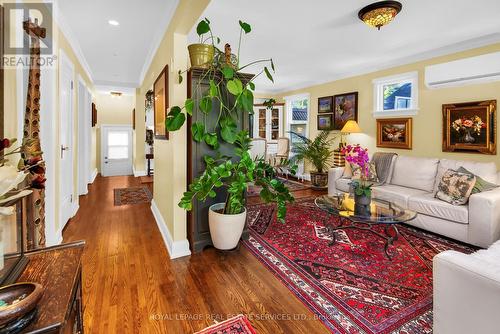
(131, 286)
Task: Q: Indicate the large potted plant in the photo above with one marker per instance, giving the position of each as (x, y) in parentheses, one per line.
(230, 173)
(318, 152)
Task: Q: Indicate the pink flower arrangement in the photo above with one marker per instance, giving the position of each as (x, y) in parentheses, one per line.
(358, 156)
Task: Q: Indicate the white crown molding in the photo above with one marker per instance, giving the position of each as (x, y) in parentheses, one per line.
(175, 249)
(107, 89)
(446, 50)
(157, 39)
(66, 30)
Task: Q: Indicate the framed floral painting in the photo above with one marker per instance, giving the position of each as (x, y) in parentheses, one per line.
(345, 108)
(394, 133)
(470, 127)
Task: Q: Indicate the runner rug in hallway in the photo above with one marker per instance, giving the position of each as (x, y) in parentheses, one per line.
(135, 195)
(236, 325)
(351, 286)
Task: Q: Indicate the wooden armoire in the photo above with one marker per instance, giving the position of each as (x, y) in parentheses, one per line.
(197, 218)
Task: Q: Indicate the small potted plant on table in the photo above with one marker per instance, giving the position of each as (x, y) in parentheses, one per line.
(358, 157)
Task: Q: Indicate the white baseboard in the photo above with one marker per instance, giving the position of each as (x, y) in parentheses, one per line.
(93, 176)
(175, 249)
(138, 173)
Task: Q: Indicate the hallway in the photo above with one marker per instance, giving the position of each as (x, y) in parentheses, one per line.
(131, 286)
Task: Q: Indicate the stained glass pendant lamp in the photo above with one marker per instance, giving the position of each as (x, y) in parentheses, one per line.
(380, 13)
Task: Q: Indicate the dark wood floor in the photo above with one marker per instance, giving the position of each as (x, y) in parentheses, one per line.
(131, 286)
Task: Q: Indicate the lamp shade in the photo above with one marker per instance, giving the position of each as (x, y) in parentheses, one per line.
(351, 127)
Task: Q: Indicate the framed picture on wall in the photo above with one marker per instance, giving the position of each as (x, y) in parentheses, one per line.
(325, 121)
(470, 127)
(133, 119)
(160, 93)
(325, 104)
(394, 133)
(94, 115)
(345, 108)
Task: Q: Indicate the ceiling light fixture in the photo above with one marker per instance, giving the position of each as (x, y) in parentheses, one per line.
(116, 94)
(379, 14)
(113, 23)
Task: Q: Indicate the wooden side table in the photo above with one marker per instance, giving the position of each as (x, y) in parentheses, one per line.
(59, 270)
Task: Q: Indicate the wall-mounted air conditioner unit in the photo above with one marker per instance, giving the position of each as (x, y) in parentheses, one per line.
(468, 71)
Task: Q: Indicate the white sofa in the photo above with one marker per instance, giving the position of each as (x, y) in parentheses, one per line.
(412, 184)
(467, 292)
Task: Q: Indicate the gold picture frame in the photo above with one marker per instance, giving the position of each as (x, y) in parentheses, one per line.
(470, 127)
(160, 104)
(395, 133)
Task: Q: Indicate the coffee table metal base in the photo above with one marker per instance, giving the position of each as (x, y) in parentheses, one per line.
(390, 235)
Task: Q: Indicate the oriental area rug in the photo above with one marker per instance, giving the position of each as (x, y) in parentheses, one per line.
(351, 286)
(291, 185)
(236, 325)
(135, 195)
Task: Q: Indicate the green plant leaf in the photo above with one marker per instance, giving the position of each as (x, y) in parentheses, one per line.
(180, 78)
(251, 85)
(198, 131)
(235, 86)
(213, 89)
(247, 100)
(228, 72)
(206, 104)
(272, 64)
(211, 140)
(268, 74)
(228, 130)
(189, 104)
(203, 27)
(245, 26)
(175, 119)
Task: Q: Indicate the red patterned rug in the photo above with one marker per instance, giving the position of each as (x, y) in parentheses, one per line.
(135, 195)
(236, 325)
(351, 286)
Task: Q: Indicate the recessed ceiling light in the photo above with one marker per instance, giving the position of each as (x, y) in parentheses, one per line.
(114, 23)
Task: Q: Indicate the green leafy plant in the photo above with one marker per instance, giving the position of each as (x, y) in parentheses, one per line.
(234, 98)
(317, 151)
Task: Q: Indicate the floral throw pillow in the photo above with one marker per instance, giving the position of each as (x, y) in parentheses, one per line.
(372, 172)
(455, 187)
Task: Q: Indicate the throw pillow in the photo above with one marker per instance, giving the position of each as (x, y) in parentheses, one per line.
(481, 184)
(455, 187)
(372, 172)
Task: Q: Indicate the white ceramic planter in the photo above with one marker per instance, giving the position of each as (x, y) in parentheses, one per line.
(225, 230)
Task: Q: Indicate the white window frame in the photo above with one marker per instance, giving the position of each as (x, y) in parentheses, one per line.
(378, 95)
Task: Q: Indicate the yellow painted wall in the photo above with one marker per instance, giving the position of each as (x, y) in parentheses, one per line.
(112, 111)
(11, 105)
(170, 155)
(427, 125)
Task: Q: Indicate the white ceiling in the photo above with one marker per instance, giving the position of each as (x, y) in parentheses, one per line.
(318, 41)
(116, 55)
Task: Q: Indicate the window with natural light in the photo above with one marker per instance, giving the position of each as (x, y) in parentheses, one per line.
(396, 95)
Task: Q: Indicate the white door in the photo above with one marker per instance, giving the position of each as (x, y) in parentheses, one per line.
(66, 139)
(116, 152)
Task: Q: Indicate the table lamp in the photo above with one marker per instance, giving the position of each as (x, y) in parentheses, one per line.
(338, 156)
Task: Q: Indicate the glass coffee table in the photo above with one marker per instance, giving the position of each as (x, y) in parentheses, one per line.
(380, 213)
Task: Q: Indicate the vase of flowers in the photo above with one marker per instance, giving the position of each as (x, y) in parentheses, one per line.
(468, 127)
(362, 187)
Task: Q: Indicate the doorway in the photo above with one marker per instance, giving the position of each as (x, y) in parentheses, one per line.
(66, 186)
(116, 150)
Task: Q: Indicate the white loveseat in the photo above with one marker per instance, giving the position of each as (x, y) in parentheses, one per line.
(412, 184)
(467, 292)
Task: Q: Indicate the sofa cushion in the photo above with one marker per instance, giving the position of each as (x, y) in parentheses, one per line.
(343, 184)
(428, 205)
(485, 170)
(481, 185)
(417, 173)
(395, 194)
(455, 187)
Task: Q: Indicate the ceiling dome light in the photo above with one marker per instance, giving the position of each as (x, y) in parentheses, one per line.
(379, 14)
(113, 23)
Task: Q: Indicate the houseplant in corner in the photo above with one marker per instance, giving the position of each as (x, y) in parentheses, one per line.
(318, 152)
(358, 158)
(227, 98)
